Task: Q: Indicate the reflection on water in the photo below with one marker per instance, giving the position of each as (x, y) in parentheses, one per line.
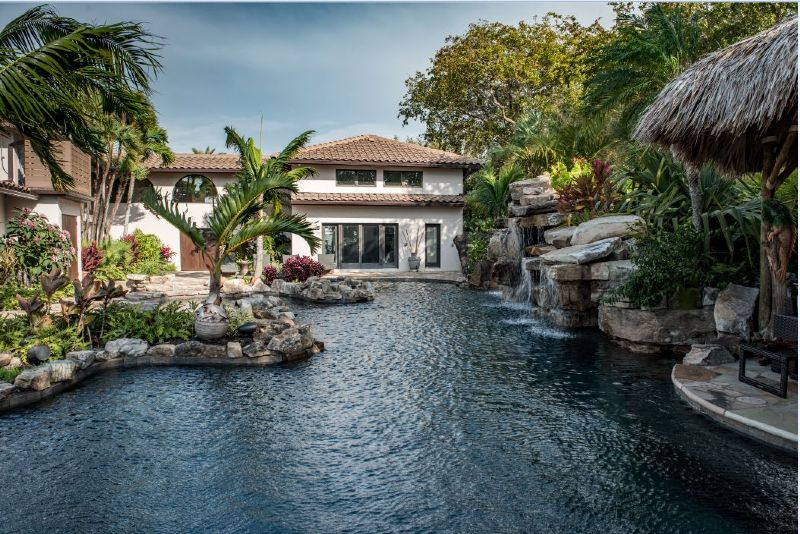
(433, 409)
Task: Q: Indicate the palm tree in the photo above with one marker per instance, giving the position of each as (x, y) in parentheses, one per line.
(206, 150)
(232, 223)
(49, 66)
(255, 167)
(492, 192)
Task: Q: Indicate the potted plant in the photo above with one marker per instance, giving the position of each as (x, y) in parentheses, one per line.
(244, 258)
(413, 244)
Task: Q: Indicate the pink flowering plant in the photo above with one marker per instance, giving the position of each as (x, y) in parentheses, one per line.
(39, 247)
(300, 268)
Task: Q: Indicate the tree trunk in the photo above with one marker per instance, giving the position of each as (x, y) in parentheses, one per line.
(258, 264)
(696, 196)
(128, 205)
(765, 273)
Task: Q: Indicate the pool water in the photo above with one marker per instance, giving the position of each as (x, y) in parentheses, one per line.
(433, 409)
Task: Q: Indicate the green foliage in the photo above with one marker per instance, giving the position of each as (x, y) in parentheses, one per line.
(173, 320)
(491, 192)
(665, 262)
(39, 247)
(562, 176)
(119, 259)
(480, 83)
(17, 336)
(8, 375)
(236, 318)
(149, 249)
(12, 331)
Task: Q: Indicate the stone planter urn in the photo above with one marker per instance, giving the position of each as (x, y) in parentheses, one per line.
(210, 321)
(244, 267)
(413, 262)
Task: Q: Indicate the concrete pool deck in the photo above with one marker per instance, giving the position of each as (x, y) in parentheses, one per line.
(716, 392)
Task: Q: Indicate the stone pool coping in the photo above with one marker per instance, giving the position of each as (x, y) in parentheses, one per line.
(20, 398)
(746, 424)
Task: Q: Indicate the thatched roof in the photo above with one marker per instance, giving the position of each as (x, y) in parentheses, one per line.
(722, 106)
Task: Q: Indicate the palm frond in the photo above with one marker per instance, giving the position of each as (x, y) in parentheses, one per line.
(272, 226)
(163, 207)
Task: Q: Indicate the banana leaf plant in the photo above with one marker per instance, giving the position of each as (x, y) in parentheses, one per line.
(34, 309)
(87, 291)
(233, 221)
(52, 282)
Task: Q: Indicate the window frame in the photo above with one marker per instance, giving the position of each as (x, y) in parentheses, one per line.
(403, 181)
(355, 182)
(204, 201)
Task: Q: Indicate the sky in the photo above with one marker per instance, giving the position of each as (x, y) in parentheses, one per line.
(338, 69)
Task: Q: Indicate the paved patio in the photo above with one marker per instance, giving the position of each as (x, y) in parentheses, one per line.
(717, 392)
(447, 277)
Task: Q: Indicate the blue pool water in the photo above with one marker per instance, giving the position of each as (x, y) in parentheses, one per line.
(433, 409)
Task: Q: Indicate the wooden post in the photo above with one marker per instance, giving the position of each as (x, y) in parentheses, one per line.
(765, 273)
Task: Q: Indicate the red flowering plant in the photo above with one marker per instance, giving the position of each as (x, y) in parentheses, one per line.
(39, 247)
(590, 192)
(300, 268)
(167, 253)
(134, 243)
(269, 274)
(92, 258)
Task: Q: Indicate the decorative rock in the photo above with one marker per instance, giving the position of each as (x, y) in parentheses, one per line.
(63, 370)
(15, 363)
(6, 388)
(542, 220)
(126, 347)
(234, 349)
(648, 331)
(162, 350)
(605, 227)
(538, 250)
(84, 358)
(36, 379)
(5, 358)
(196, 349)
(709, 354)
(328, 290)
(524, 211)
(236, 285)
(247, 329)
(559, 237)
(38, 354)
(258, 349)
(734, 309)
(710, 295)
(530, 187)
(293, 341)
(581, 254)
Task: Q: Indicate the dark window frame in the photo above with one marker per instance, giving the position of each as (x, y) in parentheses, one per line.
(438, 262)
(356, 181)
(404, 181)
(339, 240)
(207, 200)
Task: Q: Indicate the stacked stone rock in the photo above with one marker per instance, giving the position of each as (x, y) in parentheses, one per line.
(338, 290)
(578, 265)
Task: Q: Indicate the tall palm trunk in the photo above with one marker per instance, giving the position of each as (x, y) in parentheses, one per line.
(258, 264)
(696, 197)
(128, 204)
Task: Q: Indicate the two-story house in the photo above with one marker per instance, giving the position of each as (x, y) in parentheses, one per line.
(25, 182)
(370, 201)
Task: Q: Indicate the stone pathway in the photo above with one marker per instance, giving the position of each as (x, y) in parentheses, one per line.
(717, 392)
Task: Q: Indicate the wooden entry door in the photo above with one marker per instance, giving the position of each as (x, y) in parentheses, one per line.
(70, 224)
(191, 258)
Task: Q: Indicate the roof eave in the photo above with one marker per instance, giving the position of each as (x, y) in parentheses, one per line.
(448, 165)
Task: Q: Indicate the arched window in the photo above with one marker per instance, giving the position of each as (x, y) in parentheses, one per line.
(194, 188)
(139, 188)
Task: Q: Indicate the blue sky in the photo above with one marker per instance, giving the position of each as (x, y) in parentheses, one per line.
(338, 69)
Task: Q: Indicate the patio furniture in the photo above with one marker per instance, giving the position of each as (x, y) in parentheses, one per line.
(783, 353)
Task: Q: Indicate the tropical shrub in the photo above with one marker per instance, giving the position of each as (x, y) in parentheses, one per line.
(17, 336)
(39, 247)
(137, 253)
(236, 318)
(562, 176)
(665, 262)
(269, 274)
(92, 257)
(170, 321)
(167, 253)
(491, 191)
(300, 268)
(590, 193)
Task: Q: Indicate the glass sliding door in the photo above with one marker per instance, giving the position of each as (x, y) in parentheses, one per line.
(351, 253)
(361, 246)
(371, 246)
(433, 245)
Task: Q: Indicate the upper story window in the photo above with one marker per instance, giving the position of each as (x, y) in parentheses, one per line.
(194, 188)
(139, 189)
(355, 177)
(403, 178)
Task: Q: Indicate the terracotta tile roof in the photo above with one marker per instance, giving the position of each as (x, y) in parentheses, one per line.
(377, 199)
(371, 149)
(376, 149)
(7, 185)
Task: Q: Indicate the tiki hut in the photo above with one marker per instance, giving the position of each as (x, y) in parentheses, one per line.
(737, 110)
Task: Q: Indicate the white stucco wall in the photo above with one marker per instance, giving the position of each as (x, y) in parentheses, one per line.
(407, 218)
(142, 219)
(435, 181)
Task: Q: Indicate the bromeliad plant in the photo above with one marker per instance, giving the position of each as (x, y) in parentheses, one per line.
(233, 221)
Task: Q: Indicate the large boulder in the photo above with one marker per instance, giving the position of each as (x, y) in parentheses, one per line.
(259, 349)
(14, 363)
(5, 358)
(581, 254)
(6, 389)
(36, 378)
(38, 354)
(162, 350)
(653, 330)
(707, 354)
(63, 370)
(197, 349)
(233, 349)
(84, 358)
(734, 310)
(531, 187)
(559, 237)
(605, 227)
(543, 206)
(504, 243)
(293, 341)
(126, 347)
